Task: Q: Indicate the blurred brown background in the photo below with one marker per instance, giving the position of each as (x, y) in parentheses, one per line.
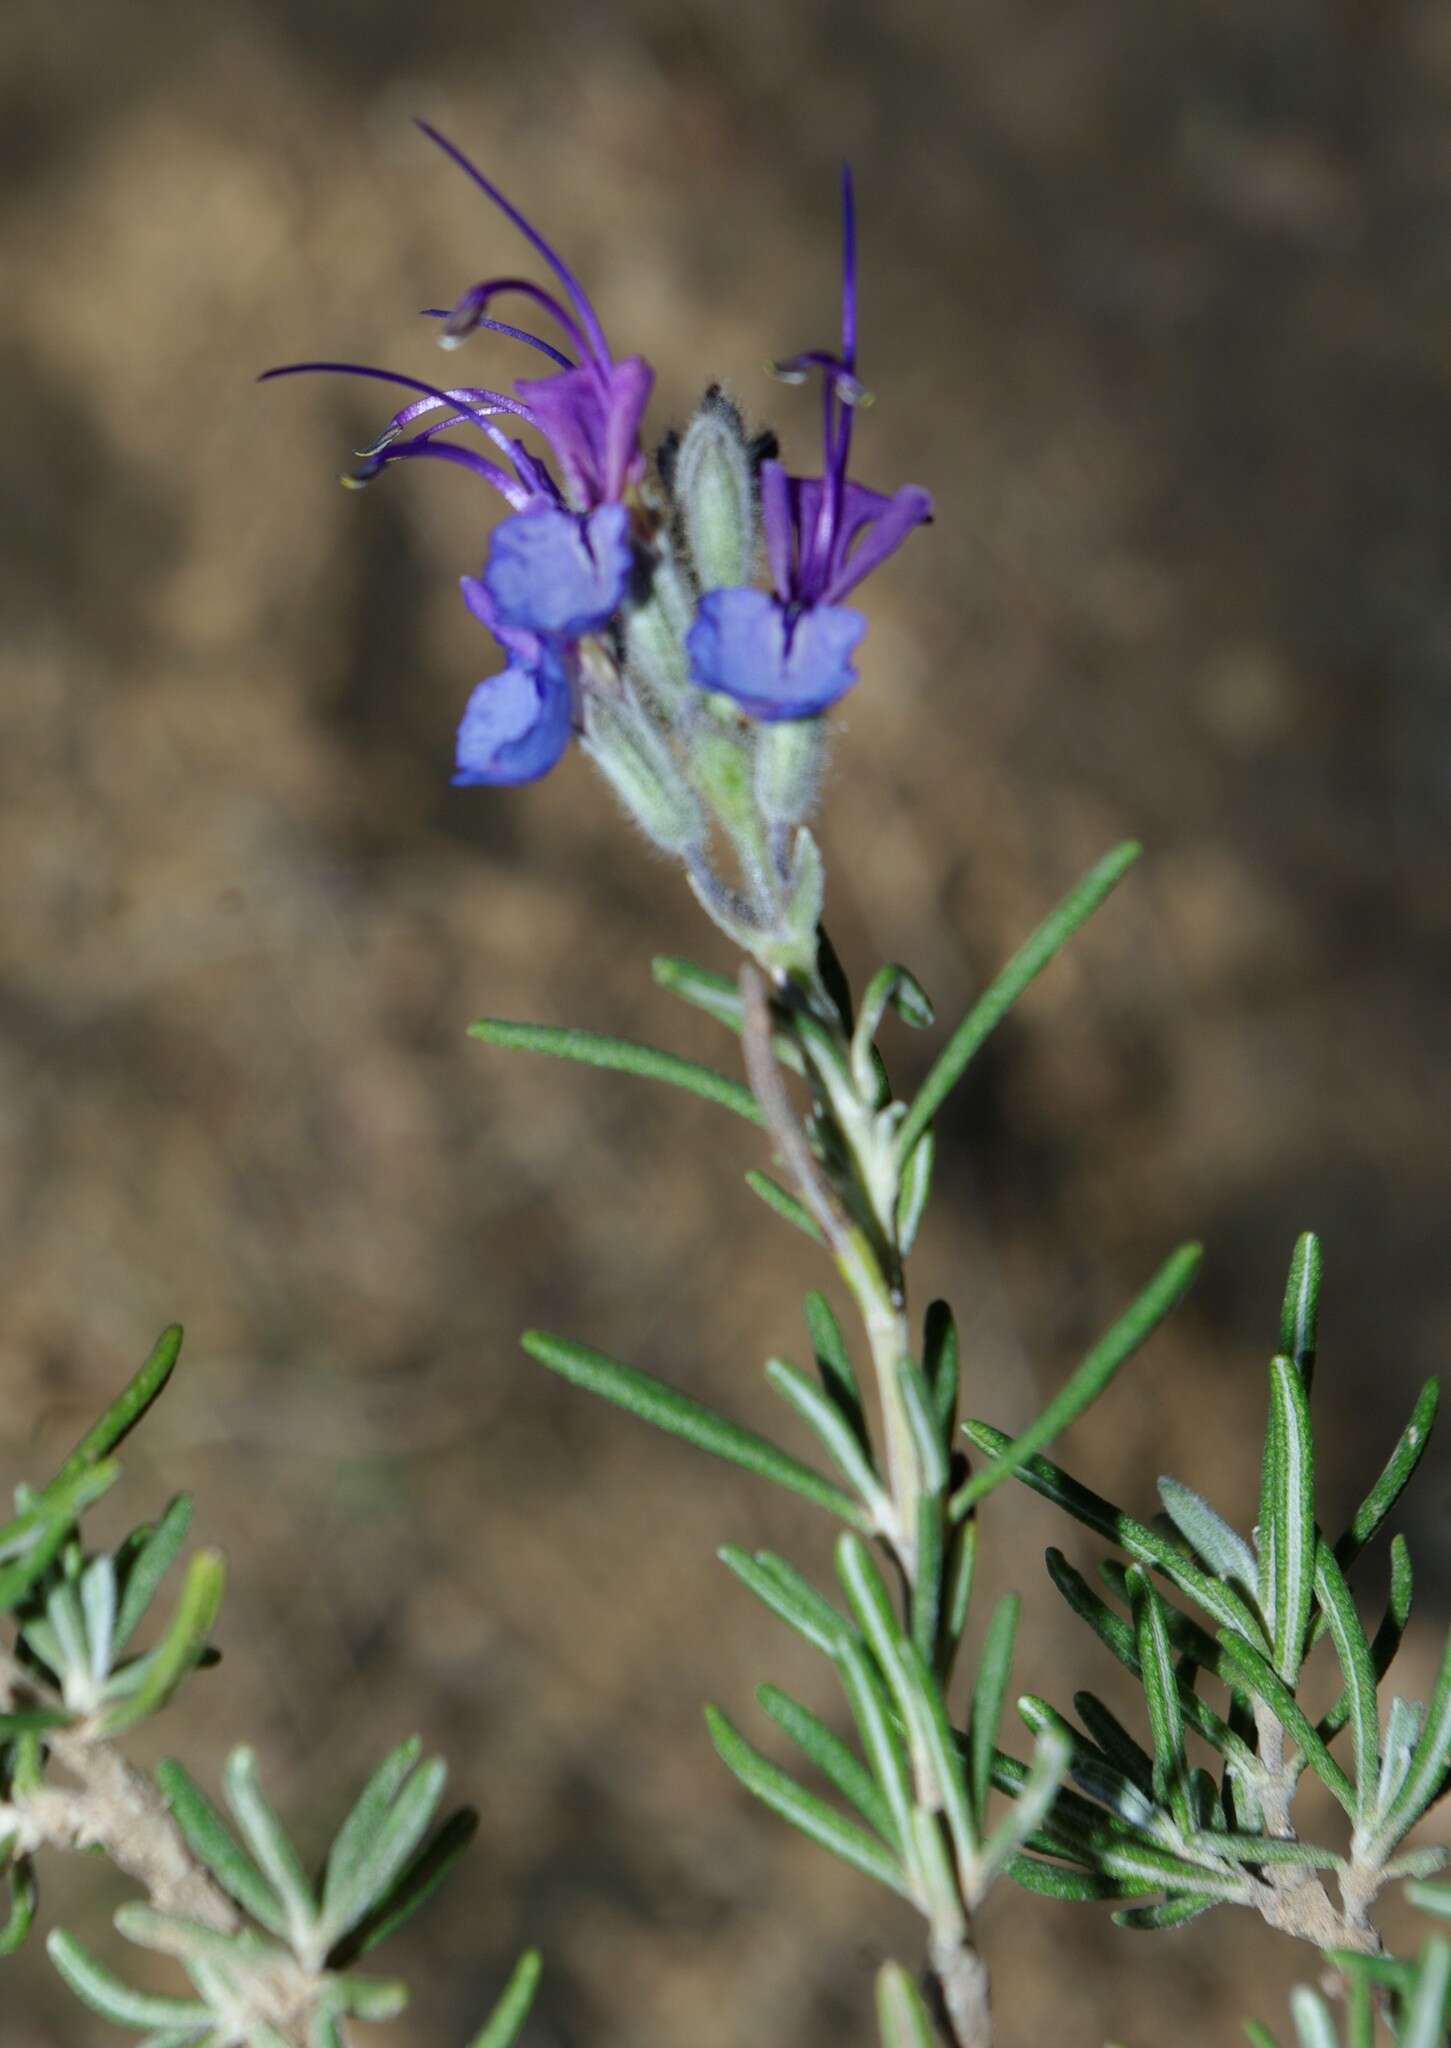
(1158, 302)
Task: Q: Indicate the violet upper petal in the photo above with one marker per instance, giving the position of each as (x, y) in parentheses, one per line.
(591, 419)
(515, 725)
(746, 644)
(556, 575)
(880, 536)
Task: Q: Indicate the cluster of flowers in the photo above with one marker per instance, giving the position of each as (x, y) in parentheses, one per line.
(612, 582)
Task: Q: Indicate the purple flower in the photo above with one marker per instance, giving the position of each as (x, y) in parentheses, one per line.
(788, 654)
(516, 724)
(560, 565)
(552, 573)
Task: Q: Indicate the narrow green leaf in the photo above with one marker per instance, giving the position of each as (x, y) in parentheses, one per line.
(881, 1742)
(30, 1544)
(901, 2016)
(836, 1434)
(926, 1597)
(1093, 1774)
(32, 1720)
(209, 1838)
(19, 1879)
(1141, 1542)
(833, 1758)
(104, 1993)
(355, 1838)
(1427, 1772)
(1399, 1468)
(1427, 1861)
(679, 1415)
(416, 1885)
(1161, 1696)
(833, 1358)
(940, 1362)
(717, 994)
(1088, 1379)
(1000, 995)
(786, 1206)
(1174, 1912)
(1028, 1811)
(98, 1604)
(1119, 1638)
(787, 1594)
(623, 1056)
(191, 1941)
(145, 1561)
(1235, 1848)
(1115, 1741)
(370, 1998)
(1353, 1651)
(1051, 1881)
(960, 1569)
(1258, 2036)
(506, 2022)
(1300, 1315)
(379, 1850)
(922, 1421)
(181, 1646)
(1434, 1899)
(1222, 1548)
(126, 1410)
(267, 1840)
(794, 1803)
(1260, 1677)
(1404, 1723)
(891, 987)
(1425, 2021)
(1293, 1510)
(916, 1191)
(944, 1757)
(995, 1663)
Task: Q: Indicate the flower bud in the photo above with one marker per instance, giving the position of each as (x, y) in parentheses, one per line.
(655, 630)
(643, 774)
(716, 494)
(789, 754)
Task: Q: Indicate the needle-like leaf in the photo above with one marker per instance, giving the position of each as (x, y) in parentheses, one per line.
(1000, 995)
(621, 1056)
(794, 1803)
(1089, 1378)
(680, 1415)
(506, 2022)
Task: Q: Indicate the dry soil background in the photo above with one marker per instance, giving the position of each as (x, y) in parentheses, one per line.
(1158, 302)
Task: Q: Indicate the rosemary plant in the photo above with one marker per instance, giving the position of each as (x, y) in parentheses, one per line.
(622, 591)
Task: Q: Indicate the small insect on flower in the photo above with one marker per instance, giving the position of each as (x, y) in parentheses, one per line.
(787, 653)
(559, 566)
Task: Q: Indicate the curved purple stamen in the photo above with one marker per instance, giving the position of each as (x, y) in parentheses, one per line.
(522, 461)
(465, 393)
(515, 495)
(467, 314)
(545, 348)
(590, 320)
(848, 270)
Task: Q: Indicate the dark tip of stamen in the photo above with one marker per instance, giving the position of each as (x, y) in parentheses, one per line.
(763, 447)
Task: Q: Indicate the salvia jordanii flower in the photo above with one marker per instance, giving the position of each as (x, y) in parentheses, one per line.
(559, 565)
(787, 653)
